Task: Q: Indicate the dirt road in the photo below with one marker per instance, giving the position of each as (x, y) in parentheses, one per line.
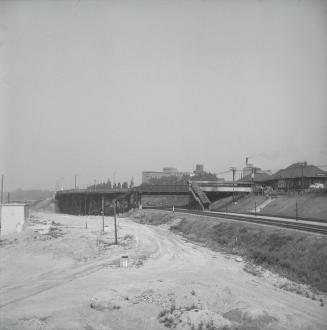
(61, 275)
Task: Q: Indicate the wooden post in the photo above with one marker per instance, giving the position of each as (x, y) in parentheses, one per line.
(255, 208)
(1, 189)
(115, 219)
(296, 210)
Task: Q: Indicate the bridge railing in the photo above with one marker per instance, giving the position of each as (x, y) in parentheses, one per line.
(91, 191)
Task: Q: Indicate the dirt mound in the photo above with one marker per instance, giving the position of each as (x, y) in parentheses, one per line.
(151, 217)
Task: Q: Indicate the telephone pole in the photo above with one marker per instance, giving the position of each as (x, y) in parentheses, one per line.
(302, 165)
(102, 211)
(2, 188)
(115, 218)
(233, 169)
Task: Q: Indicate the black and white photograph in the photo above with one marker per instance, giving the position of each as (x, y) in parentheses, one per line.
(163, 164)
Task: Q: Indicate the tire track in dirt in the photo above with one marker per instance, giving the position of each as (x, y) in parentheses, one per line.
(172, 258)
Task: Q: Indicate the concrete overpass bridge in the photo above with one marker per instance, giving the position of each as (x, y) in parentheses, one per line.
(87, 201)
(224, 186)
(195, 194)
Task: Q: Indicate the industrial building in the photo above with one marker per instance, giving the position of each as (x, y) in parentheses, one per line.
(166, 172)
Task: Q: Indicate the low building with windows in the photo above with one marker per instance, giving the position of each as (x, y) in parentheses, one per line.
(297, 177)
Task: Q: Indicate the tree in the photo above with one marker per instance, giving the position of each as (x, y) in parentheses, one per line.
(125, 185)
(119, 185)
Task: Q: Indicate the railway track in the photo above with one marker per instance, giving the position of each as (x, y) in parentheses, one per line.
(289, 224)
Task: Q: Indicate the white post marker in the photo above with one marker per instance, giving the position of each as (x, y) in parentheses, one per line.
(124, 261)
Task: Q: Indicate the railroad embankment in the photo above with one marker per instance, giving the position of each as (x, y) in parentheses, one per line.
(165, 200)
(298, 256)
(308, 205)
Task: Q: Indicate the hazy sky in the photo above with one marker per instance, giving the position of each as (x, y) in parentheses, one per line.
(97, 87)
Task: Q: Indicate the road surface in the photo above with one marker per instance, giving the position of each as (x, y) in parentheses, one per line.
(70, 278)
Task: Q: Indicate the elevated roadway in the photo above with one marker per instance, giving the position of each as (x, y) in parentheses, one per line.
(224, 186)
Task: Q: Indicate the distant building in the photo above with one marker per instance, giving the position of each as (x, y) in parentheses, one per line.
(257, 177)
(298, 176)
(199, 169)
(170, 170)
(166, 171)
(249, 169)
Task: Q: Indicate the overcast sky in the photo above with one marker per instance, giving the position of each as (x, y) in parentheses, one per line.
(97, 87)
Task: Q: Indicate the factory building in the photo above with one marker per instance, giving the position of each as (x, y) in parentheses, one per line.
(166, 171)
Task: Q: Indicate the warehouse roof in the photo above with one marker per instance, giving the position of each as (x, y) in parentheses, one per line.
(295, 171)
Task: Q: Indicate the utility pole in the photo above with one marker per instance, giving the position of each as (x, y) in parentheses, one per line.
(85, 212)
(296, 210)
(85, 205)
(302, 165)
(115, 218)
(102, 211)
(255, 208)
(2, 189)
(252, 178)
(233, 169)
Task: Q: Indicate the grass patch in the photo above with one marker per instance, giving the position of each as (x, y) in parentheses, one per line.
(298, 256)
